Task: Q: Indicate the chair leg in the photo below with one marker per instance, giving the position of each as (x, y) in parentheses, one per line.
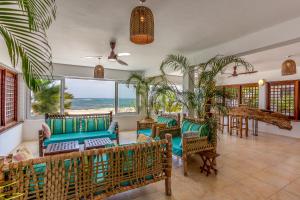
(184, 159)
(168, 186)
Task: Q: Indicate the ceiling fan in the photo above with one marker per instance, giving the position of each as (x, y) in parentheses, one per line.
(113, 57)
(235, 73)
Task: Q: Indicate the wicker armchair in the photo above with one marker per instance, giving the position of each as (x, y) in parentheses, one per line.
(188, 142)
(150, 128)
(92, 174)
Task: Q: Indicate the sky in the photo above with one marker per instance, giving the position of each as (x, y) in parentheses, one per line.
(82, 88)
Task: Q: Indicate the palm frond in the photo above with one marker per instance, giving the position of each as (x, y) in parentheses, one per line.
(175, 63)
(23, 25)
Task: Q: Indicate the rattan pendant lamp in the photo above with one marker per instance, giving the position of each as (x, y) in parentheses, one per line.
(141, 25)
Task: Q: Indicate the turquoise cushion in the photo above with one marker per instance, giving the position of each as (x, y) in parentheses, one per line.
(147, 132)
(56, 125)
(195, 127)
(185, 126)
(176, 148)
(71, 125)
(165, 120)
(80, 137)
(103, 123)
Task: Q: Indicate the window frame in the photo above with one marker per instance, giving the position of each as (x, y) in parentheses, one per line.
(4, 123)
(117, 100)
(296, 95)
(63, 85)
(240, 87)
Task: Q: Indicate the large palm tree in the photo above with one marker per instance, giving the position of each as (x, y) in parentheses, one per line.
(23, 25)
(146, 88)
(204, 99)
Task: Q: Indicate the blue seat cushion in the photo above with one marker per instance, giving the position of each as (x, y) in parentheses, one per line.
(80, 137)
(147, 132)
(176, 148)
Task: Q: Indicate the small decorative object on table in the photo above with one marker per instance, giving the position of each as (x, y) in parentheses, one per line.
(61, 147)
(209, 162)
(97, 143)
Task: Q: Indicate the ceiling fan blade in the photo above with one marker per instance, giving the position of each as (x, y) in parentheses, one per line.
(251, 72)
(121, 62)
(123, 54)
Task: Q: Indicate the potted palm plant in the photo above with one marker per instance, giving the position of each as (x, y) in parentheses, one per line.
(23, 25)
(203, 100)
(146, 88)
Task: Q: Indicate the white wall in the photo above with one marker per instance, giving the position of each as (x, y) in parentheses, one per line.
(274, 75)
(10, 139)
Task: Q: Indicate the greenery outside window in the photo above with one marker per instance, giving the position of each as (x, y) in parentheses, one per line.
(82, 96)
(47, 100)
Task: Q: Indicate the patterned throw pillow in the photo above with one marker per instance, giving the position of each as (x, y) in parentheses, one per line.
(46, 130)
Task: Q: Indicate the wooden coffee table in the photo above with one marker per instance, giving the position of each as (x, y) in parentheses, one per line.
(96, 143)
(61, 147)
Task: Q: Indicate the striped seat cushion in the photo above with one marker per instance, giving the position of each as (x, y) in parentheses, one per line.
(61, 126)
(95, 124)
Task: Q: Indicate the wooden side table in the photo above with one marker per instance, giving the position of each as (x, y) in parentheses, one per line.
(97, 143)
(61, 147)
(209, 162)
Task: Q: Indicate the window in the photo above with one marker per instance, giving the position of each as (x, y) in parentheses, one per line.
(126, 98)
(250, 95)
(82, 96)
(245, 94)
(233, 93)
(283, 97)
(89, 96)
(8, 97)
(47, 100)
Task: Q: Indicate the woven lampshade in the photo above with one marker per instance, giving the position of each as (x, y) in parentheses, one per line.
(99, 71)
(288, 67)
(141, 25)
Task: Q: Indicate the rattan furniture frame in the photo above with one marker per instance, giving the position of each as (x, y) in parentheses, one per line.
(154, 126)
(77, 175)
(191, 143)
(42, 136)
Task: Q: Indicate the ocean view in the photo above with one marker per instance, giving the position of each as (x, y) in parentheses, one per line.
(95, 103)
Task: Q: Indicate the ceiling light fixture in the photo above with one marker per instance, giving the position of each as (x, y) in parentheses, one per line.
(141, 25)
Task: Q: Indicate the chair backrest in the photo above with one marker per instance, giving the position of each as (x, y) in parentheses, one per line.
(194, 125)
(65, 123)
(87, 174)
(170, 119)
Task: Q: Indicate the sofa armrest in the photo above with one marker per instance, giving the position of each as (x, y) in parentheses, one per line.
(174, 131)
(114, 128)
(41, 142)
(194, 144)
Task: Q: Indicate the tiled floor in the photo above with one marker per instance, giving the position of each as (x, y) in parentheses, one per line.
(263, 167)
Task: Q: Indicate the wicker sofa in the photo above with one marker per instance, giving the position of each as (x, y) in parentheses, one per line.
(165, 122)
(78, 127)
(191, 138)
(92, 174)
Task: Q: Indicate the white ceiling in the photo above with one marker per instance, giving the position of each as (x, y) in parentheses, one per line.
(85, 27)
(272, 59)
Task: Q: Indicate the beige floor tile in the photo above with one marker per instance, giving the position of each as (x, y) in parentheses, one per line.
(284, 195)
(294, 187)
